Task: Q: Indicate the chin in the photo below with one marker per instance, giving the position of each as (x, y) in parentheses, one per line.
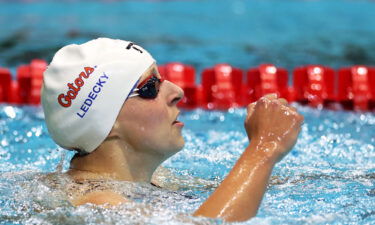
(178, 146)
(181, 146)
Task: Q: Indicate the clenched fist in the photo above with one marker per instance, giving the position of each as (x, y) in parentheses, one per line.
(273, 125)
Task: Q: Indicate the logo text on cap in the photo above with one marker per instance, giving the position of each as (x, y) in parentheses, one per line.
(96, 89)
(65, 100)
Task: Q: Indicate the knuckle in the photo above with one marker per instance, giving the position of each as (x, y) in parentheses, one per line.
(274, 103)
(251, 105)
(293, 113)
(283, 101)
(262, 100)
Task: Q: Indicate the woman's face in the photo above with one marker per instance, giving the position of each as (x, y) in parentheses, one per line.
(151, 125)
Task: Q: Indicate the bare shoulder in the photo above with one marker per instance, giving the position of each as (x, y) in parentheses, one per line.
(101, 197)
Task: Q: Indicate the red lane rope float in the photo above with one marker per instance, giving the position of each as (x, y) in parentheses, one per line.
(356, 87)
(183, 76)
(314, 85)
(267, 79)
(5, 81)
(224, 86)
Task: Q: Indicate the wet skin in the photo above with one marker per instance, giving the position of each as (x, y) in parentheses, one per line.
(153, 126)
(147, 132)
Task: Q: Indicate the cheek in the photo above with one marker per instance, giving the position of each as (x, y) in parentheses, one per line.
(147, 124)
(155, 118)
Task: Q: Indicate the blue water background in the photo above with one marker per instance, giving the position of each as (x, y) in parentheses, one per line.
(288, 33)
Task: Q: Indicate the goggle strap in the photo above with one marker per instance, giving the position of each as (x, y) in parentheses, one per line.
(132, 91)
(133, 94)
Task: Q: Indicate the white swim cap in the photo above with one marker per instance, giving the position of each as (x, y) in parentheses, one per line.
(85, 86)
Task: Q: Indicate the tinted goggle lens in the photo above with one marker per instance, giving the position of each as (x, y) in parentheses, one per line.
(149, 88)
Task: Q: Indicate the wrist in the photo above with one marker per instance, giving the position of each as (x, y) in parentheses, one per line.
(267, 151)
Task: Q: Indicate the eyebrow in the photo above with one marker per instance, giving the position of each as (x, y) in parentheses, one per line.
(145, 80)
(152, 70)
(155, 72)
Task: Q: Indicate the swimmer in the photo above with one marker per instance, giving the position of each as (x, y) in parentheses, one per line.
(106, 100)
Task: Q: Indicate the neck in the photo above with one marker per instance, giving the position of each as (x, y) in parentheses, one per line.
(115, 159)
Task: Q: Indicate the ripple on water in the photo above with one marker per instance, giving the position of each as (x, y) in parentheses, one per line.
(327, 178)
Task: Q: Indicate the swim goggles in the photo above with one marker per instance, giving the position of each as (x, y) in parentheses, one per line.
(147, 89)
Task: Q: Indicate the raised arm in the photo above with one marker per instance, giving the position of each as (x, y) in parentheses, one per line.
(273, 128)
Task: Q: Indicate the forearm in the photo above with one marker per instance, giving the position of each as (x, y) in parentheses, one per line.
(238, 197)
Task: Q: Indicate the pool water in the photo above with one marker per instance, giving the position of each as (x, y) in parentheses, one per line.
(328, 178)
(243, 33)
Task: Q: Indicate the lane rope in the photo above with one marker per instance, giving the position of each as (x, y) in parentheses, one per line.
(224, 86)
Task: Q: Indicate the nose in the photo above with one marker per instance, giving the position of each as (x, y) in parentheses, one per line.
(175, 93)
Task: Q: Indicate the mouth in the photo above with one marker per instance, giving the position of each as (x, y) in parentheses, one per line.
(177, 122)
